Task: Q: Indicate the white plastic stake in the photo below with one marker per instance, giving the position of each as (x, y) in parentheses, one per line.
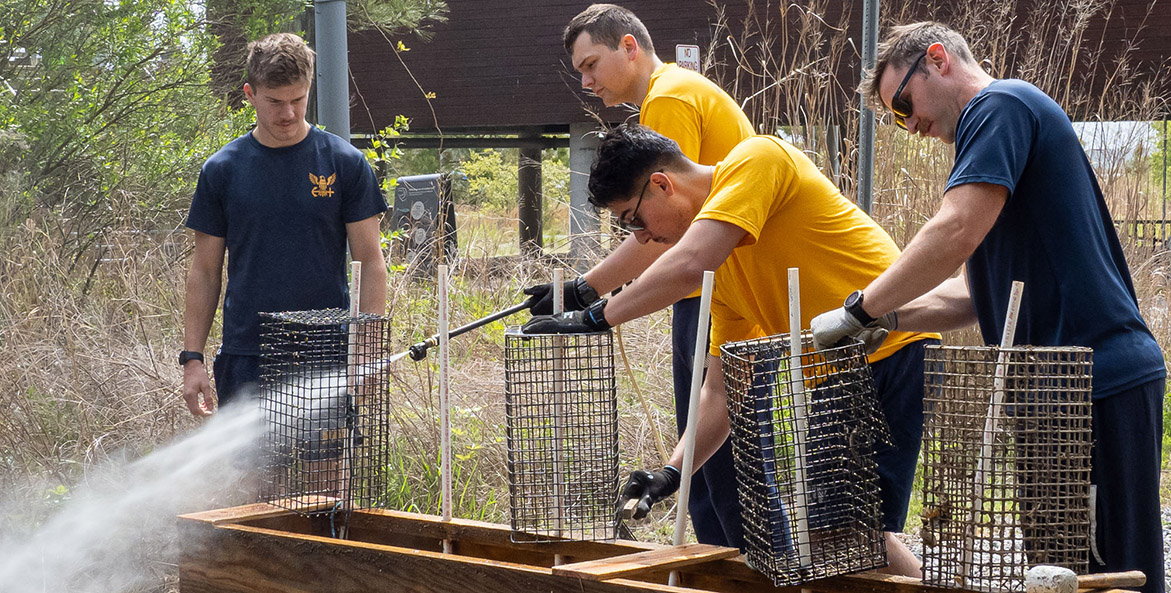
(992, 421)
(800, 418)
(697, 365)
(558, 407)
(444, 405)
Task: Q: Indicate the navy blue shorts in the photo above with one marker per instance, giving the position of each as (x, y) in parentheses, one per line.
(714, 504)
(235, 374)
(898, 381)
(1126, 529)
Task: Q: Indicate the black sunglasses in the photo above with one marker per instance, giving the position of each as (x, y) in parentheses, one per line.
(902, 107)
(633, 224)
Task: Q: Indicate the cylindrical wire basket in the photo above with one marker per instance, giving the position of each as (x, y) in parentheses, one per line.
(838, 497)
(562, 431)
(1031, 503)
(326, 447)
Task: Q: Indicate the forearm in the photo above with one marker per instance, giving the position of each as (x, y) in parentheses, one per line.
(947, 307)
(928, 261)
(712, 426)
(372, 296)
(939, 249)
(203, 295)
(626, 263)
(678, 272)
(672, 277)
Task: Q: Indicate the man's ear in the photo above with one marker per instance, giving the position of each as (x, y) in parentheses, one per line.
(248, 91)
(938, 57)
(629, 46)
(664, 182)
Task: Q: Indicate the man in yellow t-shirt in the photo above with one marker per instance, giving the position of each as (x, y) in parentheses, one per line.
(763, 209)
(612, 50)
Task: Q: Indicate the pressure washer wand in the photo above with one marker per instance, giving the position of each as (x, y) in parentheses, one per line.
(419, 351)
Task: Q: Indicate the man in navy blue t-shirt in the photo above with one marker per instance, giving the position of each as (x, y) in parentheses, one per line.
(1022, 203)
(282, 201)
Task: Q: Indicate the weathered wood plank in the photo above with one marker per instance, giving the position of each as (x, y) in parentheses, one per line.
(236, 559)
(261, 510)
(648, 561)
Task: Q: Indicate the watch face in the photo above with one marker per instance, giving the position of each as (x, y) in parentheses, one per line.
(853, 299)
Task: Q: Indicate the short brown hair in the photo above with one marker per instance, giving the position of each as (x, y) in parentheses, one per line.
(607, 24)
(278, 60)
(903, 44)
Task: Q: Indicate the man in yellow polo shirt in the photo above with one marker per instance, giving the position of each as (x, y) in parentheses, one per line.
(612, 50)
(763, 209)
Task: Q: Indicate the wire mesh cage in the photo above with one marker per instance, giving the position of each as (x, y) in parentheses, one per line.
(1006, 484)
(324, 386)
(562, 436)
(804, 455)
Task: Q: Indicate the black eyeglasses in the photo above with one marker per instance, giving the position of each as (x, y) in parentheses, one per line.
(633, 224)
(899, 106)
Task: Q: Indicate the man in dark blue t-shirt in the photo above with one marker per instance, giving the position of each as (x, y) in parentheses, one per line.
(1022, 203)
(282, 201)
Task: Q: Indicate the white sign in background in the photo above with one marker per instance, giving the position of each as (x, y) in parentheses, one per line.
(687, 56)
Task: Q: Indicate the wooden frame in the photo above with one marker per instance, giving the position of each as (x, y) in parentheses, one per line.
(261, 548)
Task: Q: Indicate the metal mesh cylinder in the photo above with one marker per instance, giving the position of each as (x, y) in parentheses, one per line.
(324, 389)
(1006, 486)
(562, 430)
(804, 455)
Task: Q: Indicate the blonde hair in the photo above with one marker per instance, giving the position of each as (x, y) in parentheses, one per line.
(278, 60)
(903, 44)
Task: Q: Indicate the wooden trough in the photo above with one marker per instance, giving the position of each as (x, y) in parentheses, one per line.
(261, 548)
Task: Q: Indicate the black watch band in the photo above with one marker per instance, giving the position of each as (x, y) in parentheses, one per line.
(853, 306)
(186, 356)
(595, 316)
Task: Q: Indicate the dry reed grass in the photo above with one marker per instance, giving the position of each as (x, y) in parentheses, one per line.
(86, 346)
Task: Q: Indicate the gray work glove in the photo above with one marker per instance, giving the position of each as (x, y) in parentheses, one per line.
(831, 327)
(649, 488)
(578, 295)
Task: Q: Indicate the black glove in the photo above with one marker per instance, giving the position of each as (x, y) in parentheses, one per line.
(578, 295)
(649, 488)
(588, 321)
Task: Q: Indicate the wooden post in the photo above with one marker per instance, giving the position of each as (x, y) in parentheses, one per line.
(529, 188)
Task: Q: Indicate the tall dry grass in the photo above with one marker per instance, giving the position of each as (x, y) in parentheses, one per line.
(87, 344)
(797, 95)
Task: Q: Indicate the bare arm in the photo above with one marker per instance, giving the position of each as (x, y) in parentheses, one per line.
(204, 281)
(705, 246)
(938, 249)
(625, 264)
(947, 307)
(366, 247)
(712, 424)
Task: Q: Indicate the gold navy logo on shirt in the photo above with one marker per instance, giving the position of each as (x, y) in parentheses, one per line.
(322, 185)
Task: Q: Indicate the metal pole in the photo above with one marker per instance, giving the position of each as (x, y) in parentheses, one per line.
(865, 185)
(333, 67)
(1164, 220)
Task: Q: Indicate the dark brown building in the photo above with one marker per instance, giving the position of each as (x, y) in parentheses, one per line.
(496, 66)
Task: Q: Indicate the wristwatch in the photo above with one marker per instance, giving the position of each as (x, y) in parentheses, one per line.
(186, 356)
(595, 316)
(853, 306)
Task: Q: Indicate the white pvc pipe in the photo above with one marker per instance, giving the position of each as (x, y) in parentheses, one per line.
(800, 418)
(444, 404)
(697, 365)
(992, 421)
(558, 407)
